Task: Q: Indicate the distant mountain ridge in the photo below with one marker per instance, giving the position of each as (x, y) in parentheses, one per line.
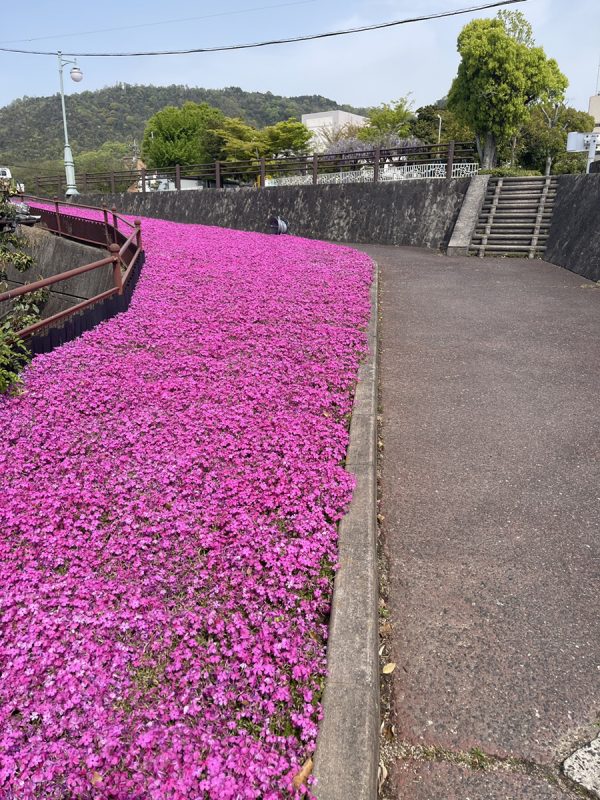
(31, 127)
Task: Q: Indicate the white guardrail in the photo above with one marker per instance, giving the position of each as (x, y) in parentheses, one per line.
(407, 172)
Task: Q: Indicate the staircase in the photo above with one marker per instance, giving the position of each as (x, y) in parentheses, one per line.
(515, 218)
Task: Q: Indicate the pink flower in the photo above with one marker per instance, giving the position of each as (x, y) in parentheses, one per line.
(171, 484)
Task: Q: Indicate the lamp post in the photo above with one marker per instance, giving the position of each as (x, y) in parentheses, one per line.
(439, 116)
(76, 75)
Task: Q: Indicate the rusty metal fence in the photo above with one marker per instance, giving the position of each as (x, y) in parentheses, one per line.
(452, 159)
(125, 258)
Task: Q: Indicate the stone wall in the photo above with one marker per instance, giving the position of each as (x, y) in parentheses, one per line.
(415, 213)
(574, 240)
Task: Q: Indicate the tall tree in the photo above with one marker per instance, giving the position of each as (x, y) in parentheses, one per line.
(181, 135)
(500, 75)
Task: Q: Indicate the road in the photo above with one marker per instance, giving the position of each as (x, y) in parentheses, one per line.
(490, 493)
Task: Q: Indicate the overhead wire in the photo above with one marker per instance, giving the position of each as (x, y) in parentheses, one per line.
(233, 12)
(271, 42)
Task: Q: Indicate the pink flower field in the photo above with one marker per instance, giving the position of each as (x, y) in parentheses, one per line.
(170, 488)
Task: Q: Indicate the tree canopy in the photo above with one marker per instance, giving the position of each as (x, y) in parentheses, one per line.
(198, 134)
(181, 135)
(500, 75)
(426, 126)
(388, 121)
(544, 137)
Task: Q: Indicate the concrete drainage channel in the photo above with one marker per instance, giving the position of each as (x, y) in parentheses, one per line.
(348, 746)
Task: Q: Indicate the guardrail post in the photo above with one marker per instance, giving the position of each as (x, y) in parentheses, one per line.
(138, 233)
(117, 276)
(263, 172)
(315, 169)
(377, 159)
(217, 174)
(106, 233)
(143, 179)
(450, 162)
(115, 222)
(56, 211)
(178, 177)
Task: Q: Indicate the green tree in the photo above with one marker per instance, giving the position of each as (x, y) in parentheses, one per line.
(288, 138)
(107, 158)
(544, 136)
(517, 26)
(234, 140)
(426, 126)
(181, 135)
(388, 119)
(500, 75)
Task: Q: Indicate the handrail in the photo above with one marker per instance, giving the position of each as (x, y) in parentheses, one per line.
(121, 258)
(34, 198)
(10, 294)
(25, 333)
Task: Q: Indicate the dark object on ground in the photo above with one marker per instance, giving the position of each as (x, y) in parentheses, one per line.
(278, 225)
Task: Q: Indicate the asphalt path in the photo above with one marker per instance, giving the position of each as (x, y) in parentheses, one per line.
(490, 493)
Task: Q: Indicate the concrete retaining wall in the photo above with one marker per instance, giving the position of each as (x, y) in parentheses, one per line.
(414, 213)
(574, 240)
(52, 255)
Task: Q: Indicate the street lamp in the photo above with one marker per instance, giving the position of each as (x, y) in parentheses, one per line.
(76, 75)
(439, 116)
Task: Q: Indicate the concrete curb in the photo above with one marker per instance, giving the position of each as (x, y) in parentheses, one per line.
(347, 756)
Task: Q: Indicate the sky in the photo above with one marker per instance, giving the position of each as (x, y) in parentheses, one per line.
(364, 69)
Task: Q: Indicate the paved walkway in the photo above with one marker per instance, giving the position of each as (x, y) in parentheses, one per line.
(490, 373)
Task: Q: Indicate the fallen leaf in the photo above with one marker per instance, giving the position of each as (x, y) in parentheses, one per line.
(301, 778)
(388, 732)
(385, 629)
(389, 668)
(96, 779)
(382, 777)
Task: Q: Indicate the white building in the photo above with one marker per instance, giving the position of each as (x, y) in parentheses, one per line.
(595, 111)
(325, 124)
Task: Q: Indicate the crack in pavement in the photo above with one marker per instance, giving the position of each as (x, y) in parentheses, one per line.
(475, 760)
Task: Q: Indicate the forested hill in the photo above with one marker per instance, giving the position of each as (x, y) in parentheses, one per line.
(31, 128)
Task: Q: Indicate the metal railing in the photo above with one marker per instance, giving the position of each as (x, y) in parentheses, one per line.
(124, 254)
(262, 172)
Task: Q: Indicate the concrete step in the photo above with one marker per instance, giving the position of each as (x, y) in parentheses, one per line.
(508, 248)
(534, 179)
(505, 203)
(523, 196)
(513, 237)
(517, 214)
(509, 226)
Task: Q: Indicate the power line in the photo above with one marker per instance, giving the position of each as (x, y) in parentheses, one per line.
(163, 22)
(270, 42)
